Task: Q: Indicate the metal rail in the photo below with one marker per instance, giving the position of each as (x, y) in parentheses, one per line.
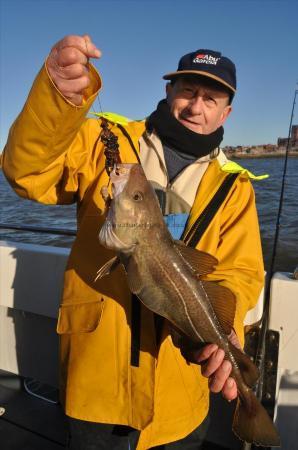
(38, 229)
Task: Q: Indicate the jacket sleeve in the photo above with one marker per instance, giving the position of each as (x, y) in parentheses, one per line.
(50, 130)
(239, 252)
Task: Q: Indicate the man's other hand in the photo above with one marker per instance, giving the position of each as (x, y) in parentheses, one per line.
(217, 369)
(68, 65)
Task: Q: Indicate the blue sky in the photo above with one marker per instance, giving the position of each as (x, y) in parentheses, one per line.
(142, 40)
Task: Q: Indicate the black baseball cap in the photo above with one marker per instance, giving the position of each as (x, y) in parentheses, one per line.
(207, 63)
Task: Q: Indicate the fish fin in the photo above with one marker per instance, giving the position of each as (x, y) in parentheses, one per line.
(200, 262)
(185, 344)
(107, 268)
(133, 276)
(180, 339)
(249, 371)
(223, 302)
(175, 335)
(253, 424)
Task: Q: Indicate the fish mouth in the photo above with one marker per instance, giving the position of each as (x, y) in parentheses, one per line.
(119, 178)
(109, 239)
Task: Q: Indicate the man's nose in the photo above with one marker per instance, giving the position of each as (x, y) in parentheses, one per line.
(196, 105)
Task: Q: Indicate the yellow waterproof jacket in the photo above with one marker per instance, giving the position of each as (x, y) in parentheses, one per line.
(54, 156)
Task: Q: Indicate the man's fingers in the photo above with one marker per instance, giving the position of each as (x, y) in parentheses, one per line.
(213, 363)
(72, 72)
(217, 370)
(70, 87)
(87, 37)
(220, 377)
(229, 390)
(68, 65)
(82, 44)
(234, 340)
(205, 353)
(91, 47)
(70, 55)
(76, 99)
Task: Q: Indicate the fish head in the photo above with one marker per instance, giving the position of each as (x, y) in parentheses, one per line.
(134, 211)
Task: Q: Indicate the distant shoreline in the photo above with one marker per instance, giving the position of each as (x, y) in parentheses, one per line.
(246, 156)
(259, 156)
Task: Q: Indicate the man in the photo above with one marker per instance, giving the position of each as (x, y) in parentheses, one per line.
(110, 387)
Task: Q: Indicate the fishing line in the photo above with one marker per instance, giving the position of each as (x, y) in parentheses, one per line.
(99, 102)
(97, 96)
(100, 106)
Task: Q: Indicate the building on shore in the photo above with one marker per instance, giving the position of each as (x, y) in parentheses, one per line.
(283, 142)
(242, 151)
(251, 150)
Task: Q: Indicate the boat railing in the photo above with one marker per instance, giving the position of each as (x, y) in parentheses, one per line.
(38, 229)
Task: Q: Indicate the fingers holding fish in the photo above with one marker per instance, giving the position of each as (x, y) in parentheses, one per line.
(202, 355)
(220, 381)
(214, 361)
(234, 340)
(217, 370)
(229, 390)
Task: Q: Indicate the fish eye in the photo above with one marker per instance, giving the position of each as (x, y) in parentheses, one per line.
(137, 196)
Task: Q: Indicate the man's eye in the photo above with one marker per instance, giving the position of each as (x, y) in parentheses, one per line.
(188, 92)
(209, 99)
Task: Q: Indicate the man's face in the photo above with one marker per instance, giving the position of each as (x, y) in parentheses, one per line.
(199, 106)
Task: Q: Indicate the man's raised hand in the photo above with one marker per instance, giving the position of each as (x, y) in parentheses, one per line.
(67, 65)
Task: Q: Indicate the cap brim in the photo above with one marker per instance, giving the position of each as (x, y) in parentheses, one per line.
(170, 76)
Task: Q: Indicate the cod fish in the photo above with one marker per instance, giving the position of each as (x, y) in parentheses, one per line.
(165, 275)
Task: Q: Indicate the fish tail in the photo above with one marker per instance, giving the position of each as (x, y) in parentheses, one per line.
(252, 423)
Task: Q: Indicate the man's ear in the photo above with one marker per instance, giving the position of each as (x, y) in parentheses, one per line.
(225, 114)
(169, 88)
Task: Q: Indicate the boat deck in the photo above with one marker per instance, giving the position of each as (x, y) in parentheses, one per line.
(30, 423)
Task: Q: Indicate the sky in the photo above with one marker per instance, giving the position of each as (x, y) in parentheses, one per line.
(142, 40)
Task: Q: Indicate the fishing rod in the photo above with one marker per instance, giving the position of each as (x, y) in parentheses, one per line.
(265, 339)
